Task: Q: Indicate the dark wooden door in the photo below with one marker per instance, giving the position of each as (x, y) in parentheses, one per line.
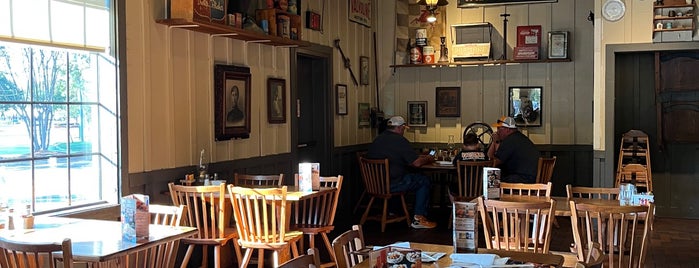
(311, 106)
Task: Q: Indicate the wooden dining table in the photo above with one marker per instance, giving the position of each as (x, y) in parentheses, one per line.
(95, 241)
(541, 258)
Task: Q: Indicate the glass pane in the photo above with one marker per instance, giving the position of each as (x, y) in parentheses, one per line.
(109, 96)
(85, 182)
(51, 188)
(50, 130)
(16, 183)
(50, 75)
(33, 26)
(83, 77)
(82, 131)
(110, 180)
(15, 142)
(14, 67)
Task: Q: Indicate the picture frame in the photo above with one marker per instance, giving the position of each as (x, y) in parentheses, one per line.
(525, 105)
(558, 45)
(364, 70)
(417, 113)
(360, 11)
(448, 102)
(313, 21)
(341, 99)
(232, 102)
(364, 114)
(276, 101)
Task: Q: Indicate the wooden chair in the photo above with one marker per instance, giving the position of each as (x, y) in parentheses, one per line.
(636, 174)
(164, 256)
(257, 180)
(262, 221)
(309, 260)
(35, 255)
(529, 189)
(544, 170)
(616, 228)
(517, 226)
(469, 181)
(594, 257)
(206, 210)
(592, 192)
(377, 180)
(316, 215)
(347, 246)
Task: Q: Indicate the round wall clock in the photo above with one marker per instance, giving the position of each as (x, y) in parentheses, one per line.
(613, 10)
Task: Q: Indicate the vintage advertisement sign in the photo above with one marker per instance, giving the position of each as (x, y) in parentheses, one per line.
(360, 12)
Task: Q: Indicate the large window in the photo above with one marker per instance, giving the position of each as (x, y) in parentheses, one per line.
(59, 125)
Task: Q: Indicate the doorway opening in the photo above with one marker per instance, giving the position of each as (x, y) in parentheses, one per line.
(311, 105)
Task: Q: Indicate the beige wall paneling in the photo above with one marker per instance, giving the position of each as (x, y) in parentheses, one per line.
(137, 97)
(181, 84)
(581, 51)
(407, 91)
(494, 96)
(472, 101)
(449, 77)
(560, 96)
(159, 107)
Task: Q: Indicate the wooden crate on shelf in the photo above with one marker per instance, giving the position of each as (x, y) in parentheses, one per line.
(196, 10)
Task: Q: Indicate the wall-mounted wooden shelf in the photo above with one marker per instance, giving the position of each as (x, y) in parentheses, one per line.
(230, 32)
(488, 62)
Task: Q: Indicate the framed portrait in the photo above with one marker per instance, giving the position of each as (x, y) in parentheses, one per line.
(448, 102)
(478, 3)
(364, 114)
(525, 105)
(276, 101)
(341, 99)
(231, 102)
(558, 45)
(364, 70)
(417, 113)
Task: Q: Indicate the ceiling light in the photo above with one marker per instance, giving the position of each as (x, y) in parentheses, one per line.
(431, 18)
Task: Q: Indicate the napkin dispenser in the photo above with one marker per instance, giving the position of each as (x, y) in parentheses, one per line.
(135, 218)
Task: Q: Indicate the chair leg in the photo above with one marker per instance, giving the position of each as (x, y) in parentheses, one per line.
(217, 257)
(238, 254)
(405, 210)
(359, 203)
(260, 258)
(246, 258)
(384, 213)
(366, 211)
(205, 256)
(187, 256)
(329, 246)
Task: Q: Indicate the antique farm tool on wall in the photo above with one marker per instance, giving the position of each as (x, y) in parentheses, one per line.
(347, 62)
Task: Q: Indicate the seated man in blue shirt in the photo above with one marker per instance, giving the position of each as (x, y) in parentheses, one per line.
(514, 153)
(392, 145)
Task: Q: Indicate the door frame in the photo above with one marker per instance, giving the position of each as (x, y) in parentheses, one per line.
(322, 53)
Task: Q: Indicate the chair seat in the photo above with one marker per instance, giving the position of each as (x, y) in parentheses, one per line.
(289, 237)
(312, 228)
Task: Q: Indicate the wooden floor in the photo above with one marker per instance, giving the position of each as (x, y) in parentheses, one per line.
(674, 242)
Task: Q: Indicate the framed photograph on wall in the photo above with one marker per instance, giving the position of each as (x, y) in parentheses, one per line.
(364, 114)
(525, 105)
(360, 11)
(276, 101)
(341, 99)
(558, 45)
(448, 102)
(364, 70)
(417, 113)
(232, 102)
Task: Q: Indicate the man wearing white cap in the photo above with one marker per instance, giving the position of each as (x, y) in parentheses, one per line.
(513, 152)
(392, 145)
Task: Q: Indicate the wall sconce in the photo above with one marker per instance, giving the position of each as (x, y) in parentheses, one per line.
(431, 6)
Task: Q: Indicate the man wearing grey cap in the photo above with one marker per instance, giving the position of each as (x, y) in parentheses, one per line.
(392, 145)
(513, 153)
